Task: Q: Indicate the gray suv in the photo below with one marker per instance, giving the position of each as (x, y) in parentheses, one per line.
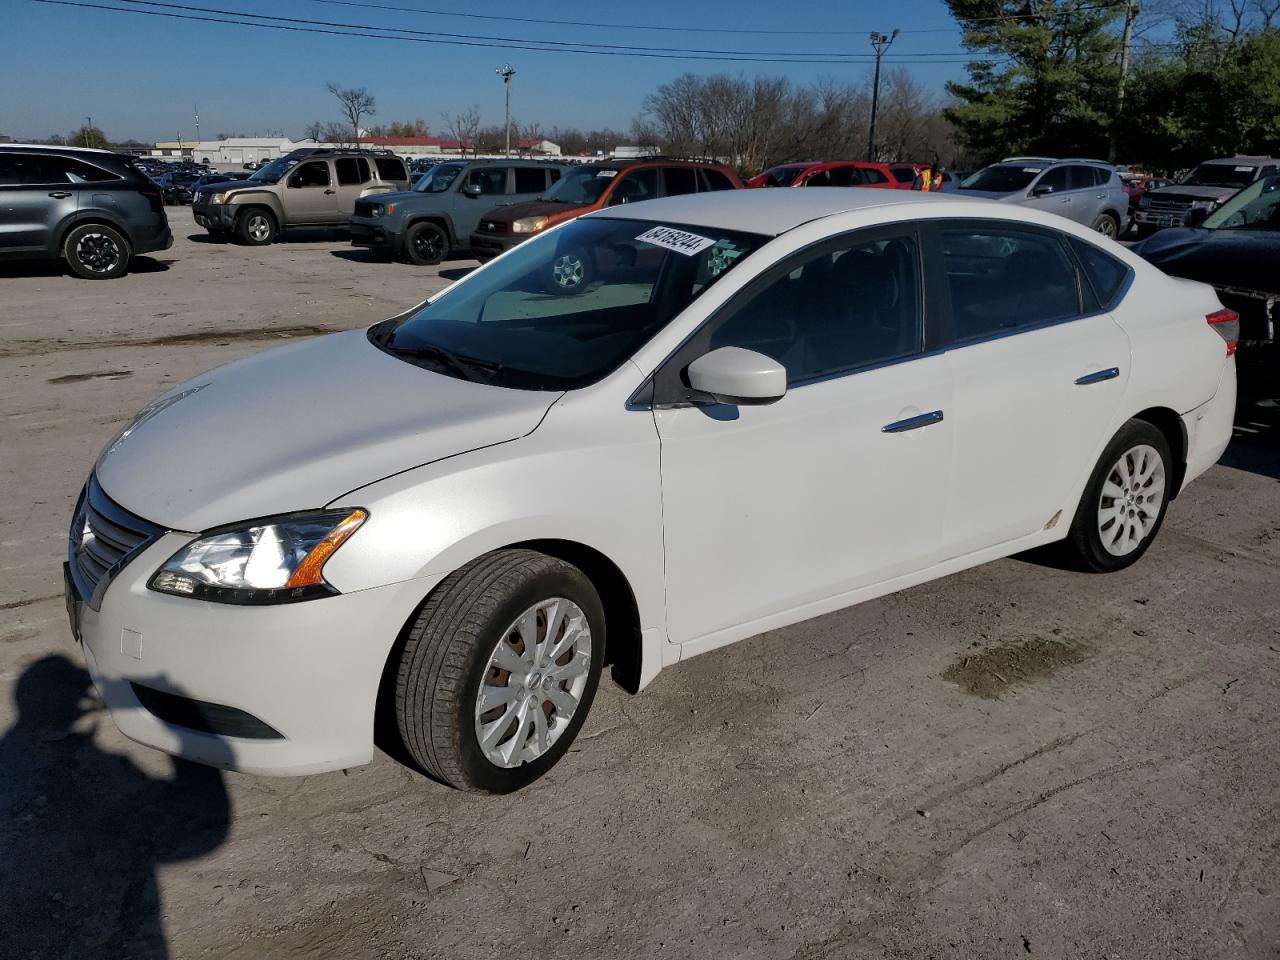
(93, 208)
(1086, 191)
(311, 187)
(1199, 193)
(439, 214)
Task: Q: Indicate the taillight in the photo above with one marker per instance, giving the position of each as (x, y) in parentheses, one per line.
(157, 201)
(1227, 323)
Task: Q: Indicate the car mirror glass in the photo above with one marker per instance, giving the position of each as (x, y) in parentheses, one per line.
(471, 190)
(1042, 191)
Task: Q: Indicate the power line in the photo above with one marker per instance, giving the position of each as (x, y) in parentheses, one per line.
(576, 45)
(386, 33)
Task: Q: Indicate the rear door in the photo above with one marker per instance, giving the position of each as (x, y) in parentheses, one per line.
(483, 188)
(1052, 192)
(310, 196)
(36, 195)
(528, 183)
(679, 180)
(1038, 371)
(353, 175)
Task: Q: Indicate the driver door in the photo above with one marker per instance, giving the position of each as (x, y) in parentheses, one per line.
(310, 196)
(771, 513)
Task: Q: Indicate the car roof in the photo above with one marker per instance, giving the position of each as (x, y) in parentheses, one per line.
(774, 212)
(54, 148)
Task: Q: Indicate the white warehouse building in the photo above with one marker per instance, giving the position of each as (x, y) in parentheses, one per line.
(240, 150)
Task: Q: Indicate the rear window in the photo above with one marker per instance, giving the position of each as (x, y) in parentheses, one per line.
(390, 168)
(1106, 274)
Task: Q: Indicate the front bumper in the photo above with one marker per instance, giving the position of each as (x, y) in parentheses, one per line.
(369, 233)
(215, 216)
(486, 246)
(309, 671)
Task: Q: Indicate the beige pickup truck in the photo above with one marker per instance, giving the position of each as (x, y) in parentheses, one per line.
(311, 187)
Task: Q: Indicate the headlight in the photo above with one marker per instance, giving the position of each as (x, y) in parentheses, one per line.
(218, 198)
(270, 561)
(382, 209)
(529, 224)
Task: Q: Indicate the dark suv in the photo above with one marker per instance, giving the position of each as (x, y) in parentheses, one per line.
(93, 208)
(443, 209)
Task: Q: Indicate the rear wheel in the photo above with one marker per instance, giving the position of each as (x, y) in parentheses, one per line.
(425, 244)
(96, 252)
(256, 227)
(1124, 503)
(499, 670)
(1107, 225)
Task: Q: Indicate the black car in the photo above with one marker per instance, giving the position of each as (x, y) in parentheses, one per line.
(93, 208)
(1237, 250)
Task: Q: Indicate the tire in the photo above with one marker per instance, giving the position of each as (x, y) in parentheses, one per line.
(473, 622)
(1107, 225)
(570, 272)
(256, 227)
(425, 244)
(96, 252)
(1110, 533)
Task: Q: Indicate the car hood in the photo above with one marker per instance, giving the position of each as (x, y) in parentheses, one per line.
(1191, 193)
(296, 427)
(533, 208)
(1225, 258)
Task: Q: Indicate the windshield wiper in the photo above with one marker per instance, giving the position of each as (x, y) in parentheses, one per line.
(458, 363)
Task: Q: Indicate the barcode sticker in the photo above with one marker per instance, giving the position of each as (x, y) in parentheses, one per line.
(668, 238)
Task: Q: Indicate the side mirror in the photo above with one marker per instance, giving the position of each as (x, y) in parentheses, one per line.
(1196, 216)
(471, 190)
(1042, 191)
(739, 377)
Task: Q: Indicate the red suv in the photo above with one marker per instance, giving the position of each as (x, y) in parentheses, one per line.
(594, 186)
(836, 173)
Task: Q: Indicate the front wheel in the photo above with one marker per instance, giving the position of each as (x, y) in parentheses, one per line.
(1124, 503)
(499, 670)
(256, 227)
(570, 272)
(425, 244)
(96, 252)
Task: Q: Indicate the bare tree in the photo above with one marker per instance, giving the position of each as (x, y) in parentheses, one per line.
(1269, 13)
(463, 127)
(355, 103)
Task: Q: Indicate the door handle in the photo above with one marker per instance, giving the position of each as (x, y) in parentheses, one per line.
(913, 423)
(331, 190)
(1098, 376)
(60, 194)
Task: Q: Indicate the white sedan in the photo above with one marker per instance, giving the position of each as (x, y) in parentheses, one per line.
(653, 431)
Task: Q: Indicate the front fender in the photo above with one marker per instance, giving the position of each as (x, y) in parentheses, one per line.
(258, 198)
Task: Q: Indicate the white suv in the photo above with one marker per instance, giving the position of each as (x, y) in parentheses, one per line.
(766, 405)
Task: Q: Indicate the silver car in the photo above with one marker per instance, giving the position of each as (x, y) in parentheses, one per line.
(1086, 191)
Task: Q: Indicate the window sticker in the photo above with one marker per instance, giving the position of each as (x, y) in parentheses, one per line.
(678, 240)
(1244, 169)
(607, 174)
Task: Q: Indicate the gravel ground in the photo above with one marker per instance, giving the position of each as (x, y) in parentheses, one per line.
(1015, 760)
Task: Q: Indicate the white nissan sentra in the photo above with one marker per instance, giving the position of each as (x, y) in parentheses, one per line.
(648, 433)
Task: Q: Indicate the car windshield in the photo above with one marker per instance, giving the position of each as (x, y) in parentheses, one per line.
(1220, 175)
(1002, 178)
(782, 176)
(438, 178)
(582, 185)
(566, 308)
(274, 171)
(1257, 207)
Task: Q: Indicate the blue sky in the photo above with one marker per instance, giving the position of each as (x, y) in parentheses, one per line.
(141, 76)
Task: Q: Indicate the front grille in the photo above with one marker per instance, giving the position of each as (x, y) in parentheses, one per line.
(364, 208)
(1177, 207)
(104, 538)
(492, 226)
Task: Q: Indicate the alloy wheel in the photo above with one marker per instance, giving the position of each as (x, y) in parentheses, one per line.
(98, 252)
(1107, 227)
(1132, 496)
(427, 245)
(533, 683)
(259, 227)
(568, 271)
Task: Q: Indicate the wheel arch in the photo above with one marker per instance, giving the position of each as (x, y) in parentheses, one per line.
(85, 219)
(439, 218)
(1170, 424)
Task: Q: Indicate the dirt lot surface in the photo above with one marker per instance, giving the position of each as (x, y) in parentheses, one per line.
(1014, 761)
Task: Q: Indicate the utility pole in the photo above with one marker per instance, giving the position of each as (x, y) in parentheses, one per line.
(1126, 41)
(506, 72)
(196, 110)
(88, 133)
(880, 42)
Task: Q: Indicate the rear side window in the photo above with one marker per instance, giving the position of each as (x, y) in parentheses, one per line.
(872, 175)
(843, 177)
(680, 180)
(492, 181)
(390, 168)
(1058, 179)
(903, 174)
(715, 180)
(530, 180)
(635, 186)
(315, 173)
(40, 168)
(352, 171)
(1105, 274)
(1003, 280)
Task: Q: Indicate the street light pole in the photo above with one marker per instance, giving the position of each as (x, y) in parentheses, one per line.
(506, 72)
(880, 43)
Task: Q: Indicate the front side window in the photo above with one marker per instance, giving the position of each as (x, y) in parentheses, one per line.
(635, 186)
(872, 175)
(847, 305)
(566, 308)
(312, 174)
(1056, 180)
(1004, 279)
(352, 171)
(582, 186)
(492, 181)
